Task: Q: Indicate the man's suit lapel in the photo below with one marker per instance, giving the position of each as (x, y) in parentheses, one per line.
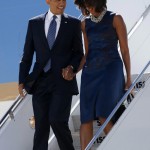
(43, 36)
(46, 50)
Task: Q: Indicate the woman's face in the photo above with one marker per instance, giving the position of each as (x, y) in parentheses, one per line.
(92, 10)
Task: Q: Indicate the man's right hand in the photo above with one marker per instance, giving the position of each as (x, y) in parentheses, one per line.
(20, 89)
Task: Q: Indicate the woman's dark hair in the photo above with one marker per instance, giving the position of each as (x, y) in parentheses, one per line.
(97, 4)
(82, 7)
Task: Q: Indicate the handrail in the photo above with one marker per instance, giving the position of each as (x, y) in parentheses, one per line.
(116, 108)
(11, 110)
(142, 17)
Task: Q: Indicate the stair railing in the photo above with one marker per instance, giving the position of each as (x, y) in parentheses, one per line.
(10, 112)
(100, 130)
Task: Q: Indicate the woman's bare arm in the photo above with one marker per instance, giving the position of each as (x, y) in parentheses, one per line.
(123, 42)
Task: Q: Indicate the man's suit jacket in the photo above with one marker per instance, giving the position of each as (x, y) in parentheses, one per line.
(67, 50)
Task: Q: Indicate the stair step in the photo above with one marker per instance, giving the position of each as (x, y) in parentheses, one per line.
(76, 140)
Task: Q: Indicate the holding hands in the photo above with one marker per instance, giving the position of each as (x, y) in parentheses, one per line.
(68, 73)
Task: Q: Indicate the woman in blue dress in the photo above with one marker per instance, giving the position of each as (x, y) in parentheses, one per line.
(102, 80)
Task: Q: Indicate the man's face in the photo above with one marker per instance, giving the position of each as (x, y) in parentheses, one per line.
(57, 7)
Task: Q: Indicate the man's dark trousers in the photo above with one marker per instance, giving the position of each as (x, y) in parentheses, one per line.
(51, 109)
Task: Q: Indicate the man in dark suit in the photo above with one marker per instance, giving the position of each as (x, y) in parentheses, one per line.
(51, 82)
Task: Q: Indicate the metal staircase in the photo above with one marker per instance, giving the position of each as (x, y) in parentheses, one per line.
(132, 131)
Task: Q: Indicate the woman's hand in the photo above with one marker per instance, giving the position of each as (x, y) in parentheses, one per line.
(128, 84)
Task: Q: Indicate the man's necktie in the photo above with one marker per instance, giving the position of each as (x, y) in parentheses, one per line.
(51, 39)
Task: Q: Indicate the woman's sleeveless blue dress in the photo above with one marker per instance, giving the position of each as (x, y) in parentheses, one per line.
(102, 80)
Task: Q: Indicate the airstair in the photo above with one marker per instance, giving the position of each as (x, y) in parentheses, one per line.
(131, 131)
